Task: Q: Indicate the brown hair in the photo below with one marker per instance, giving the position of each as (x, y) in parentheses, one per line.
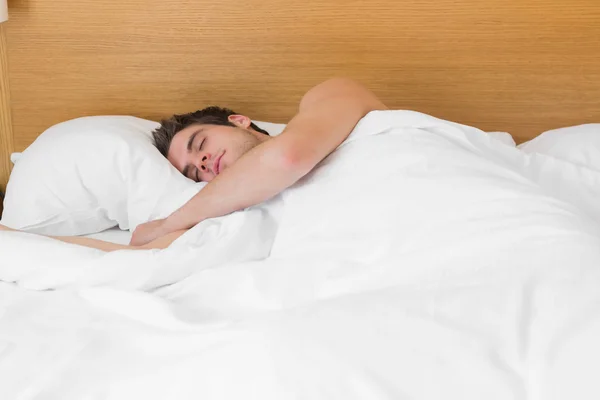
(164, 134)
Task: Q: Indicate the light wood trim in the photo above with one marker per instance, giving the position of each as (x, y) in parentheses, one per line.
(6, 133)
(521, 66)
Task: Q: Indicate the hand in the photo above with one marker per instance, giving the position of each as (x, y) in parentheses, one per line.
(148, 232)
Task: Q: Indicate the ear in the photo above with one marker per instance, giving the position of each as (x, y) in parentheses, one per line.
(240, 120)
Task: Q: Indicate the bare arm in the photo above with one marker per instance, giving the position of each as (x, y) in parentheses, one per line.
(327, 114)
(160, 243)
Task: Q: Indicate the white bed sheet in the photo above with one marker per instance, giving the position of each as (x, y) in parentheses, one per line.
(422, 260)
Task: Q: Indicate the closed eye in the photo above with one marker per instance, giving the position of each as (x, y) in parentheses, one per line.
(201, 144)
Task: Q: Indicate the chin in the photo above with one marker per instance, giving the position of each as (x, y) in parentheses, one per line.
(226, 161)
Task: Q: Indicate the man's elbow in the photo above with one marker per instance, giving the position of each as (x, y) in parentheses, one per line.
(297, 163)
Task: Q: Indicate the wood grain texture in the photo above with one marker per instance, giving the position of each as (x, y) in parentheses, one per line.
(522, 66)
(6, 134)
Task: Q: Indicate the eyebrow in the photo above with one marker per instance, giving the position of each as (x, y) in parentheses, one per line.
(189, 149)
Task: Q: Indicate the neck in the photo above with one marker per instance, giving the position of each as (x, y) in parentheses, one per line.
(259, 135)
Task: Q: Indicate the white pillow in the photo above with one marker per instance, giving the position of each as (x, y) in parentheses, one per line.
(14, 157)
(577, 144)
(503, 137)
(273, 128)
(90, 174)
(566, 162)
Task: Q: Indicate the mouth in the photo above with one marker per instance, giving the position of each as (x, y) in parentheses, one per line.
(217, 164)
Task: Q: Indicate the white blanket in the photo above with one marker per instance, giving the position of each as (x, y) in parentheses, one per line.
(421, 260)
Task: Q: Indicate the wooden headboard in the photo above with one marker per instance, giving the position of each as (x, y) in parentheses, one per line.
(522, 66)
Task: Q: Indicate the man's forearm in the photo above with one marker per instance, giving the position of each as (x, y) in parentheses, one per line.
(257, 176)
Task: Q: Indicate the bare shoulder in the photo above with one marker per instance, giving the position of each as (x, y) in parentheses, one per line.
(341, 88)
(327, 114)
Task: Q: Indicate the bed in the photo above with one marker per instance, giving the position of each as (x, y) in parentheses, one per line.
(465, 268)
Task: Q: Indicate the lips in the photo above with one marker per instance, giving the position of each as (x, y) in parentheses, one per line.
(217, 164)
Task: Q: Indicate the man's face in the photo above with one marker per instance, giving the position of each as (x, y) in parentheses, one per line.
(201, 152)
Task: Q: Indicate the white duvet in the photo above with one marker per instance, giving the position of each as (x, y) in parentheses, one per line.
(421, 260)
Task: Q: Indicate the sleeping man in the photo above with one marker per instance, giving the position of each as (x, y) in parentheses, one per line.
(243, 165)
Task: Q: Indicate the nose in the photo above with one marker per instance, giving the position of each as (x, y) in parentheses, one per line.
(204, 161)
